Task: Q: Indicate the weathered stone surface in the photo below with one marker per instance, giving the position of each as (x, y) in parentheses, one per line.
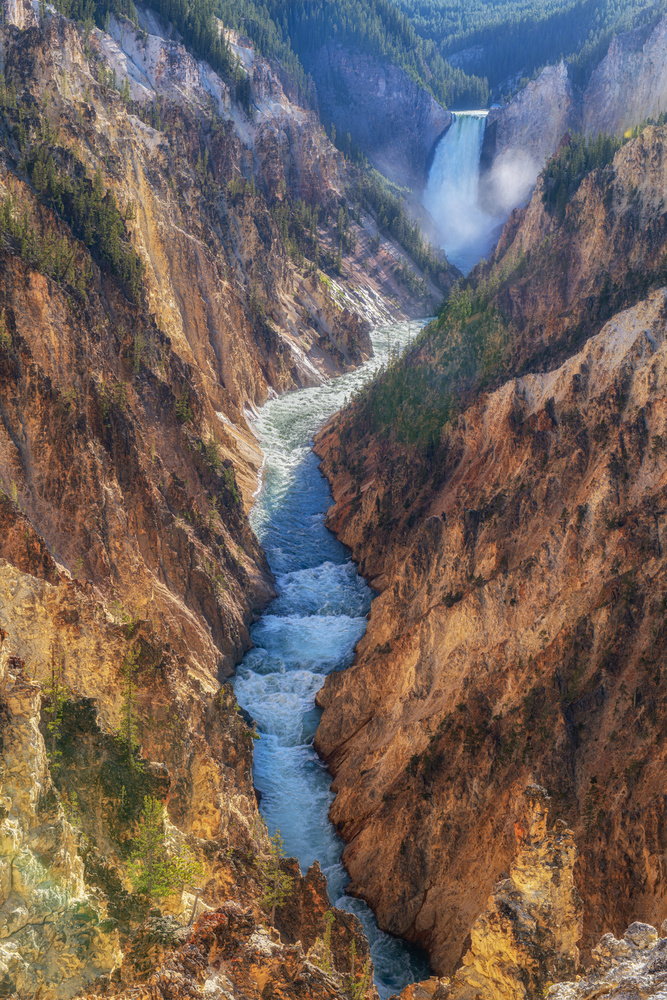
(633, 968)
(519, 631)
(302, 918)
(229, 956)
(53, 934)
(394, 121)
(521, 136)
(630, 84)
(528, 935)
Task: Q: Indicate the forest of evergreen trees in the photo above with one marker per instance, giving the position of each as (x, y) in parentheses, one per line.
(463, 51)
(292, 31)
(508, 39)
(376, 27)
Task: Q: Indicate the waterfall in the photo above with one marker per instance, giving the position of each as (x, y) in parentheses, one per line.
(451, 196)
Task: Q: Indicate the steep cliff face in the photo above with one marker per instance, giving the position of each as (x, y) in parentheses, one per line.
(185, 219)
(558, 279)
(152, 293)
(528, 935)
(51, 930)
(630, 83)
(628, 86)
(521, 136)
(394, 121)
(519, 630)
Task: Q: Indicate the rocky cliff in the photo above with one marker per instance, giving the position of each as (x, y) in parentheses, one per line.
(527, 937)
(503, 489)
(628, 86)
(521, 136)
(635, 965)
(395, 122)
(155, 286)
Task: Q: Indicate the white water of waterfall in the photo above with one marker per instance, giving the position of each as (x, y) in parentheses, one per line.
(309, 630)
(451, 197)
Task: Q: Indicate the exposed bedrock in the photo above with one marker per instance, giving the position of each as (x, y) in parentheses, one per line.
(395, 122)
(627, 86)
(519, 631)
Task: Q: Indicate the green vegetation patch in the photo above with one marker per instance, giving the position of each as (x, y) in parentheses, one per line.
(509, 39)
(59, 180)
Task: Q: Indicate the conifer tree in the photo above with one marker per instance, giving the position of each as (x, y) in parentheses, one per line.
(277, 884)
(155, 872)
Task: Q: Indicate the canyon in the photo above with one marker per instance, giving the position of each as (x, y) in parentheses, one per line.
(178, 249)
(517, 548)
(153, 294)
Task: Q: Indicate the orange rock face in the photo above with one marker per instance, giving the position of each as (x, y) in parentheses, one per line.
(519, 631)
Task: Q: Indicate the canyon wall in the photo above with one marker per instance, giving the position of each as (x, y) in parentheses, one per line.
(519, 555)
(521, 136)
(395, 122)
(153, 292)
(628, 86)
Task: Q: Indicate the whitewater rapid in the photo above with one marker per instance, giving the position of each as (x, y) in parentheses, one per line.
(310, 630)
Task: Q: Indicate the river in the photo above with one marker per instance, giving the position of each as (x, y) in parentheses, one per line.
(310, 629)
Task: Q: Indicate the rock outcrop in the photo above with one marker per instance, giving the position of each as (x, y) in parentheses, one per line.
(630, 84)
(528, 935)
(395, 122)
(635, 965)
(229, 955)
(52, 930)
(519, 628)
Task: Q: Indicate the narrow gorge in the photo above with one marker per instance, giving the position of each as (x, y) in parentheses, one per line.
(333, 469)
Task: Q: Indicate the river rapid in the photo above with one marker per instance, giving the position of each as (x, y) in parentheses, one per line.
(309, 630)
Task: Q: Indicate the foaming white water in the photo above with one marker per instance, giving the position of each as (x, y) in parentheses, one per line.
(466, 231)
(310, 630)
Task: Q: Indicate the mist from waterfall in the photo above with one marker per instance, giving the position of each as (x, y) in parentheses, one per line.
(468, 209)
(466, 231)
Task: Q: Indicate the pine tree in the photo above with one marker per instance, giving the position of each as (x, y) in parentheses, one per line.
(57, 695)
(129, 730)
(277, 884)
(153, 871)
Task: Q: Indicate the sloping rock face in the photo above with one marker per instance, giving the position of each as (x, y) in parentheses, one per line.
(129, 574)
(567, 277)
(519, 632)
(520, 137)
(630, 84)
(185, 220)
(229, 955)
(51, 930)
(394, 121)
